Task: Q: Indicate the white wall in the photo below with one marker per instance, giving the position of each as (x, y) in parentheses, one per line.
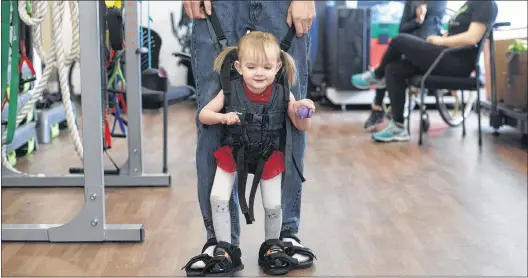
(160, 13)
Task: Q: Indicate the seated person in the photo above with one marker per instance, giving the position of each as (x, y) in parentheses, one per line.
(409, 55)
(419, 18)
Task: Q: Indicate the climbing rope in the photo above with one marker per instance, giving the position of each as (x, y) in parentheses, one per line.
(55, 59)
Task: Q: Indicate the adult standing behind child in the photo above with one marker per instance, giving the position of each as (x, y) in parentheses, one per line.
(235, 18)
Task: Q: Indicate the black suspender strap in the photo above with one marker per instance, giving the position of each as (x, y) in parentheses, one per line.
(250, 217)
(215, 30)
(289, 141)
(286, 42)
(225, 78)
(242, 172)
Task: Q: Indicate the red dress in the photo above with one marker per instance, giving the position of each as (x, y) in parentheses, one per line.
(275, 164)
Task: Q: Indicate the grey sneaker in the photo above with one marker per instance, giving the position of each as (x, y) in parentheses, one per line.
(376, 117)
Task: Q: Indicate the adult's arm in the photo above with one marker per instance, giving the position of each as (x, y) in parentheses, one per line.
(408, 21)
(483, 15)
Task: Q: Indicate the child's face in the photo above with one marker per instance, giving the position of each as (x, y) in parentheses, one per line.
(259, 71)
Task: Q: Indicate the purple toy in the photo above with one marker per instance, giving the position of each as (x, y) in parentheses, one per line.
(304, 112)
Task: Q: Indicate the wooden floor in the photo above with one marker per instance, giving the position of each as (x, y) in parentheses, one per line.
(368, 209)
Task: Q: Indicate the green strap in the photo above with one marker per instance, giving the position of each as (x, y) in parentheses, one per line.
(120, 72)
(15, 77)
(115, 73)
(6, 24)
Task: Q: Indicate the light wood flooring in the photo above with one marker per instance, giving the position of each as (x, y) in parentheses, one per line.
(368, 209)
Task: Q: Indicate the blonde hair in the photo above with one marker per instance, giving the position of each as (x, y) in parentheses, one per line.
(258, 41)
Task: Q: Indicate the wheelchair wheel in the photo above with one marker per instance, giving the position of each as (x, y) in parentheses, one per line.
(424, 121)
(449, 105)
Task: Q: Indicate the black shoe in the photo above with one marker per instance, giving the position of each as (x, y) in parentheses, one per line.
(291, 250)
(200, 258)
(273, 259)
(376, 117)
(226, 261)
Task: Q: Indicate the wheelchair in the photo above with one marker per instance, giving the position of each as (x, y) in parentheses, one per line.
(453, 105)
(445, 87)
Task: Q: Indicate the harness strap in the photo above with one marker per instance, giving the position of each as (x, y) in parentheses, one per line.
(256, 180)
(225, 79)
(242, 178)
(286, 42)
(215, 30)
(217, 34)
(289, 140)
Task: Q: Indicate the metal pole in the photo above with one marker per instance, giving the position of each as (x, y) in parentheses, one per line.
(89, 225)
(133, 88)
(92, 217)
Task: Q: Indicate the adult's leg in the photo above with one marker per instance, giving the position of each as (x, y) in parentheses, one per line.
(396, 74)
(419, 52)
(203, 54)
(271, 17)
(207, 86)
(377, 114)
(378, 98)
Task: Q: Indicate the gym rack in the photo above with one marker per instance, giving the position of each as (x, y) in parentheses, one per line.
(130, 174)
(89, 225)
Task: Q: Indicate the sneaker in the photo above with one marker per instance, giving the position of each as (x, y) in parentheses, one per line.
(391, 133)
(366, 80)
(376, 117)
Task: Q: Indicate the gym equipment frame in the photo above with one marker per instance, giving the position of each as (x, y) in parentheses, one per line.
(130, 174)
(90, 224)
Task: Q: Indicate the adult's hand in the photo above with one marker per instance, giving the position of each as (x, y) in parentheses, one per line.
(301, 14)
(438, 40)
(193, 9)
(421, 11)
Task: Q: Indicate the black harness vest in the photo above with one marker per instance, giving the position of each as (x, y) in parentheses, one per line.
(263, 128)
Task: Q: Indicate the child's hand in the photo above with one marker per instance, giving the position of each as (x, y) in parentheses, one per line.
(304, 102)
(230, 118)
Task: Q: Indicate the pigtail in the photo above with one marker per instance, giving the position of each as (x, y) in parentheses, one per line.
(289, 66)
(219, 61)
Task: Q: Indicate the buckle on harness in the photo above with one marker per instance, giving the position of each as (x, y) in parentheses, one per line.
(222, 41)
(257, 118)
(251, 117)
(266, 152)
(220, 44)
(285, 44)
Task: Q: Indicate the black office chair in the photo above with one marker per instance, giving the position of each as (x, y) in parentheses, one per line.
(436, 82)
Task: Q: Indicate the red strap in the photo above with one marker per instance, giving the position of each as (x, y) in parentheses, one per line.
(107, 135)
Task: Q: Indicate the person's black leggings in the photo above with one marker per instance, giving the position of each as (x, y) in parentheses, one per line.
(380, 95)
(418, 55)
